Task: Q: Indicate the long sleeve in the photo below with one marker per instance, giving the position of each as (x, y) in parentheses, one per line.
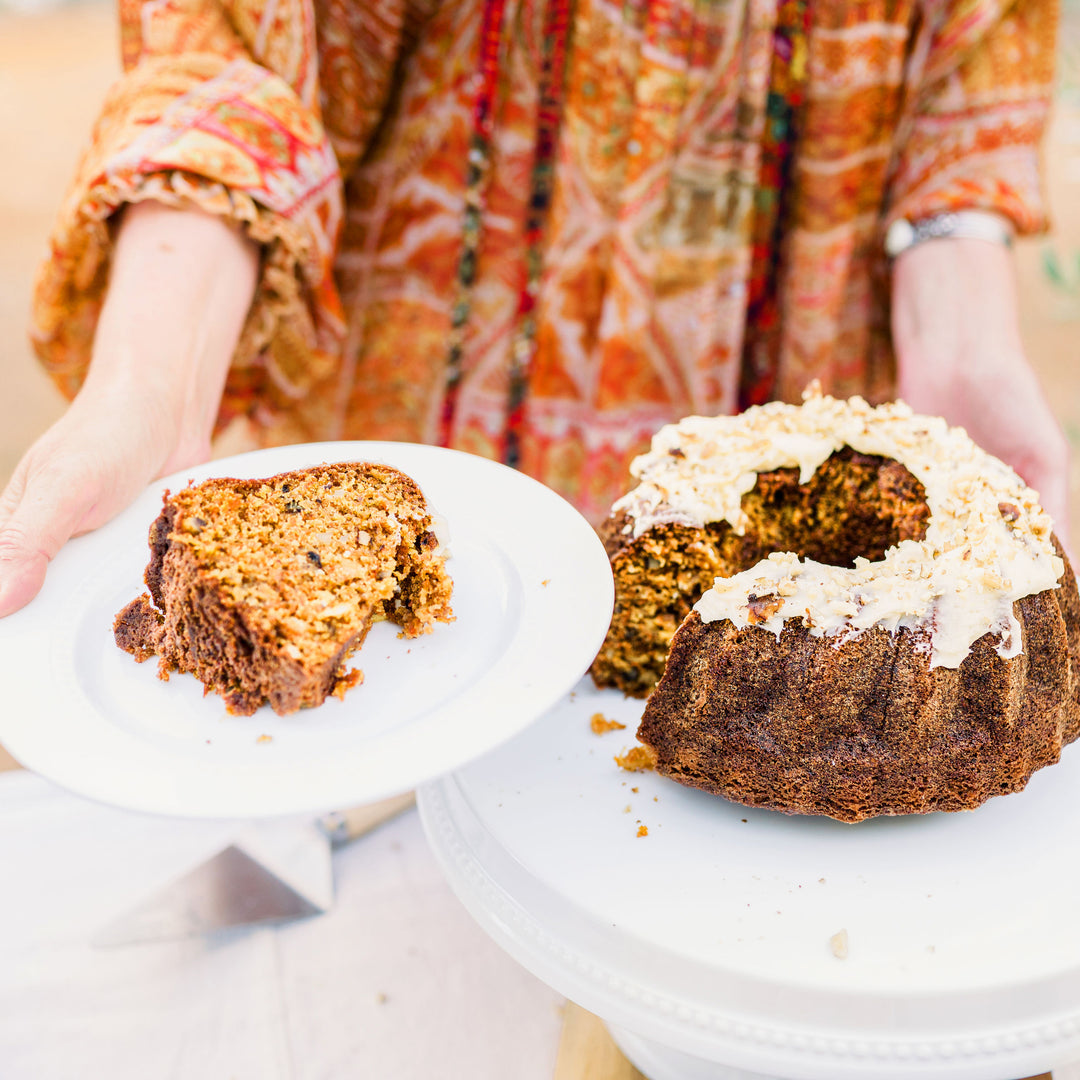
(978, 111)
(219, 107)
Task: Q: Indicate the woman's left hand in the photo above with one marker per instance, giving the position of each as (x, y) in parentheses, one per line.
(959, 355)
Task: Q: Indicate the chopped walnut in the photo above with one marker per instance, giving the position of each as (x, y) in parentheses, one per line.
(763, 607)
(1009, 512)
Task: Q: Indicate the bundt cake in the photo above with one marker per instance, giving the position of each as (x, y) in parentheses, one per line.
(262, 588)
(844, 610)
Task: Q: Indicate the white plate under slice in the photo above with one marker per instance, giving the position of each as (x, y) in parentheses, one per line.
(532, 599)
(706, 933)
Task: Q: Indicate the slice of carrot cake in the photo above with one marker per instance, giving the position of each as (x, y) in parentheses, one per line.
(262, 588)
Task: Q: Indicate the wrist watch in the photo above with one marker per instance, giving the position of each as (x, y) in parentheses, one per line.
(957, 224)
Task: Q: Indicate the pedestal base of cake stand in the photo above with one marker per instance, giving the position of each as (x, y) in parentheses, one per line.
(723, 943)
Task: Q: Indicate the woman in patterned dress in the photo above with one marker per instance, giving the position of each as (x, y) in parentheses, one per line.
(531, 229)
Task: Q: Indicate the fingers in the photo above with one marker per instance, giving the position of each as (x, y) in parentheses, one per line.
(80, 473)
(20, 578)
(91, 464)
(22, 572)
(39, 511)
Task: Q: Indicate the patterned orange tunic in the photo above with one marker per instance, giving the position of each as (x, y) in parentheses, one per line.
(339, 134)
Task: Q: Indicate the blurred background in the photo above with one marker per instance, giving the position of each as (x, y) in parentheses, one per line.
(57, 59)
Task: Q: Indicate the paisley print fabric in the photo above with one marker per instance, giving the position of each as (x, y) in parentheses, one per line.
(339, 134)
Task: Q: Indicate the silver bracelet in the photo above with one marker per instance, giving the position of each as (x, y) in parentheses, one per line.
(958, 224)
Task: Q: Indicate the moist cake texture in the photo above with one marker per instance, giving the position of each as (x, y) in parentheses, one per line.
(263, 588)
(848, 611)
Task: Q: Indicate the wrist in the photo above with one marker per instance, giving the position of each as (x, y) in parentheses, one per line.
(955, 303)
(180, 287)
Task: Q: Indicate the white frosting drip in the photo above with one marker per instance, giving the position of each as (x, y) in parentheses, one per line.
(987, 540)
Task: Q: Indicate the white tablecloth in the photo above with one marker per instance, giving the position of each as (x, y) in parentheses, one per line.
(396, 981)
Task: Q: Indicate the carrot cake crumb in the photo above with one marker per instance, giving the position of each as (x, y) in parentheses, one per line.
(637, 759)
(838, 944)
(600, 724)
(347, 681)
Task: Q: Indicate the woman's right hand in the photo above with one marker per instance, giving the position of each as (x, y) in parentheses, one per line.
(180, 288)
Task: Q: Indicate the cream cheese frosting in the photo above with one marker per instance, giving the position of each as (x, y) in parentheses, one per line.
(987, 543)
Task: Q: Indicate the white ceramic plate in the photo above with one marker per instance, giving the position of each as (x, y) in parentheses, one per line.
(710, 934)
(532, 596)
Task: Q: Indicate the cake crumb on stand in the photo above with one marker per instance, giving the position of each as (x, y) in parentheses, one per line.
(602, 724)
(637, 759)
(838, 944)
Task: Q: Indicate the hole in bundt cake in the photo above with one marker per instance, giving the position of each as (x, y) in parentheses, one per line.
(854, 505)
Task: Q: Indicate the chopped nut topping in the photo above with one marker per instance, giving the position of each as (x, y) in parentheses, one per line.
(763, 608)
(918, 580)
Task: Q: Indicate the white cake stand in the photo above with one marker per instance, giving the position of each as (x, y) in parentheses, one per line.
(710, 944)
